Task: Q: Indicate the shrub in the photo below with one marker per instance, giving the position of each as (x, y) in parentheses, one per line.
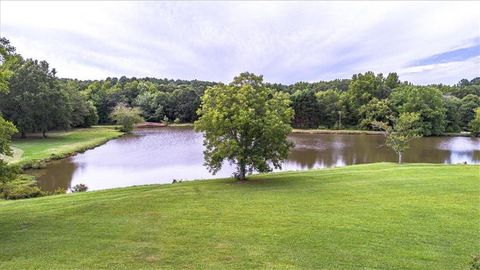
(21, 188)
(177, 121)
(79, 188)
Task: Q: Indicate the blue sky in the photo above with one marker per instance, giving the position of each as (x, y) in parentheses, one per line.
(425, 42)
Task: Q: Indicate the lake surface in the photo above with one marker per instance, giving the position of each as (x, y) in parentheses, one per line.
(159, 155)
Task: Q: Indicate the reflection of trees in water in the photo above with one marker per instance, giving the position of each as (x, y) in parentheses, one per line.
(332, 150)
(341, 150)
(57, 174)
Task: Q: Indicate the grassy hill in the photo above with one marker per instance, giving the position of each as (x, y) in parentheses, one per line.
(60, 144)
(378, 216)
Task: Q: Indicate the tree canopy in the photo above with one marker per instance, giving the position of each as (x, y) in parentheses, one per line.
(35, 99)
(246, 124)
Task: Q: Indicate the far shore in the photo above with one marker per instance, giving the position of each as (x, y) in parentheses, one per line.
(308, 131)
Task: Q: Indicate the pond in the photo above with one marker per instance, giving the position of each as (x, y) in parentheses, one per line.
(159, 155)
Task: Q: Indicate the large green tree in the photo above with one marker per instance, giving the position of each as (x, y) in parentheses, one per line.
(427, 101)
(35, 102)
(452, 116)
(330, 107)
(307, 109)
(245, 123)
(466, 110)
(362, 89)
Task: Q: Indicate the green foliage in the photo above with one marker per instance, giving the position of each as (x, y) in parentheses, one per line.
(475, 123)
(452, 115)
(35, 102)
(427, 101)
(467, 108)
(405, 129)
(329, 106)
(361, 90)
(126, 117)
(22, 187)
(245, 123)
(7, 172)
(79, 188)
(375, 110)
(307, 109)
(392, 81)
(8, 59)
(7, 129)
(152, 105)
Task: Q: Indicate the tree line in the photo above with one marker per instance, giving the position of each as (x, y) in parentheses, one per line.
(37, 100)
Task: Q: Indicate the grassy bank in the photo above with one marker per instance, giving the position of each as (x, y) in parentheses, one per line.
(378, 216)
(59, 144)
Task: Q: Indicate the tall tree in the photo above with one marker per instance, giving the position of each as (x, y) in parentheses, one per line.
(307, 109)
(362, 88)
(452, 115)
(329, 106)
(35, 102)
(466, 110)
(427, 101)
(245, 123)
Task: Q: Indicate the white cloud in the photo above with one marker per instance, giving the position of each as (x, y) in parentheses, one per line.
(285, 41)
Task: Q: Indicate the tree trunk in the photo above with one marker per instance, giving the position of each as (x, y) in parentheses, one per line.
(44, 134)
(399, 158)
(24, 135)
(241, 172)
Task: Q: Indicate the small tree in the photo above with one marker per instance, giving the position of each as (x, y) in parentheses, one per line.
(126, 117)
(405, 129)
(475, 123)
(245, 123)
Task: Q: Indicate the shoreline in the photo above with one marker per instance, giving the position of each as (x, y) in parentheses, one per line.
(63, 151)
(316, 131)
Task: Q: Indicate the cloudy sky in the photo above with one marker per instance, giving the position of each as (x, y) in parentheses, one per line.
(425, 42)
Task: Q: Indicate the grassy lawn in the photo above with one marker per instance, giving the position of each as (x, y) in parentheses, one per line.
(378, 216)
(60, 144)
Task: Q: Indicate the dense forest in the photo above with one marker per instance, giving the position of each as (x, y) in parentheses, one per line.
(37, 100)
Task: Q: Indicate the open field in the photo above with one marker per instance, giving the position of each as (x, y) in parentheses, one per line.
(377, 216)
(60, 144)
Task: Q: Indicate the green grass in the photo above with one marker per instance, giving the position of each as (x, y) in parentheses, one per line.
(60, 144)
(378, 216)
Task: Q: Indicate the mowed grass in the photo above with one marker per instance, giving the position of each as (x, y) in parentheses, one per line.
(377, 216)
(60, 144)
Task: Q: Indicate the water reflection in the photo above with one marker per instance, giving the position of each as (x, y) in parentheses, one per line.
(151, 156)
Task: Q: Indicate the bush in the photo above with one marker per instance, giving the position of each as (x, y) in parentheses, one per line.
(177, 121)
(21, 188)
(79, 188)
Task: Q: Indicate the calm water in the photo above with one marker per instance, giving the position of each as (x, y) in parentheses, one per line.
(152, 156)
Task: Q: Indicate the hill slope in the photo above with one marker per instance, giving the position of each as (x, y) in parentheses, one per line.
(366, 216)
